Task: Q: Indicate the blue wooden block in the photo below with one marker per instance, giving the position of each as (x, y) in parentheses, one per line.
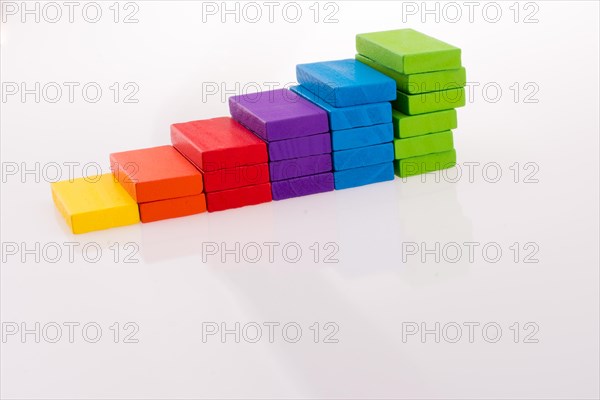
(361, 137)
(363, 176)
(349, 117)
(344, 83)
(363, 156)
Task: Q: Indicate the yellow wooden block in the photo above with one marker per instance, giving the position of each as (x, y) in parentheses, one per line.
(94, 203)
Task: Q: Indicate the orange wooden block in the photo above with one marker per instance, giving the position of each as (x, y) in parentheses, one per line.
(172, 208)
(156, 173)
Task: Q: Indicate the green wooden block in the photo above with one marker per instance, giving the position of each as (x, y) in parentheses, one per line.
(413, 104)
(425, 144)
(423, 164)
(408, 51)
(423, 82)
(406, 126)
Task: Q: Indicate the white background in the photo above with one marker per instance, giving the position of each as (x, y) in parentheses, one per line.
(372, 295)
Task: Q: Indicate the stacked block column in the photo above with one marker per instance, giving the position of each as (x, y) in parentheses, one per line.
(297, 137)
(430, 84)
(162, 182)
(232, 160)
(356, 97)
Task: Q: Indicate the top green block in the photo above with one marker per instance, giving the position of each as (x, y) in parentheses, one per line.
(408, 51)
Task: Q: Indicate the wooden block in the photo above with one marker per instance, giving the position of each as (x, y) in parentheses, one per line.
(297, 167)
(424, 144)
(354, 177)
(363, 156)
(172, 208)
(302, 186)
(413, 104)
(278, 114)
(423, 82)
(240, 197)
(406, 126)
(94, 203)
(300, 147)
(361, 137)
(344, 83)
(349, 117)
(218, 143)
(231, 178)
(156, 173)
(408, 51)
(423, 164)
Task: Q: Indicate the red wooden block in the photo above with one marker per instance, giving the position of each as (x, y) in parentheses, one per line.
(218, 143)
(234, 198)
(232, 178)
(155, 173)
(172, 208)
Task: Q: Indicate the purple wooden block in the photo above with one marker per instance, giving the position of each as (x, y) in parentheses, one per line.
(278, 114)
(296, 167)
(299, 147)
(302, 186)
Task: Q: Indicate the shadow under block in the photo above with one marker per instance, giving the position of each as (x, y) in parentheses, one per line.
(278, 114)
(361, 137)
(349, 117)
(363, 176)
(172, 208)
(423, 82)
(94, 203)
(239, 197)
(297, 167)
(302, 186)
(231, 178)
(425, 144)
(218, 143)
(408, 51)
(406, 126)
(413, 104)
(155, 173)
(363, 156)
(300, 147)
(344, 83)
(423, 164)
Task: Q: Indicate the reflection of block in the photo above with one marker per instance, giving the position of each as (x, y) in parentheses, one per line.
(344, 83)
(302, 186)
(300, 147)
(412, 104)
(231, 178)
(363, 176)
(423, 164)
(423, 82)
(424, 144)
(432, 203)
(218, 143)
(156, 173)
(408, 51)
(239, 197)
(94, 203)
(413, 125)
(361, 137)
(278, 114)
(296, 167)
(172, 208)
(363, 156)
(349, 117)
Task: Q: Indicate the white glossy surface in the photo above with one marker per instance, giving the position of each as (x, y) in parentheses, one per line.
(371, 294)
